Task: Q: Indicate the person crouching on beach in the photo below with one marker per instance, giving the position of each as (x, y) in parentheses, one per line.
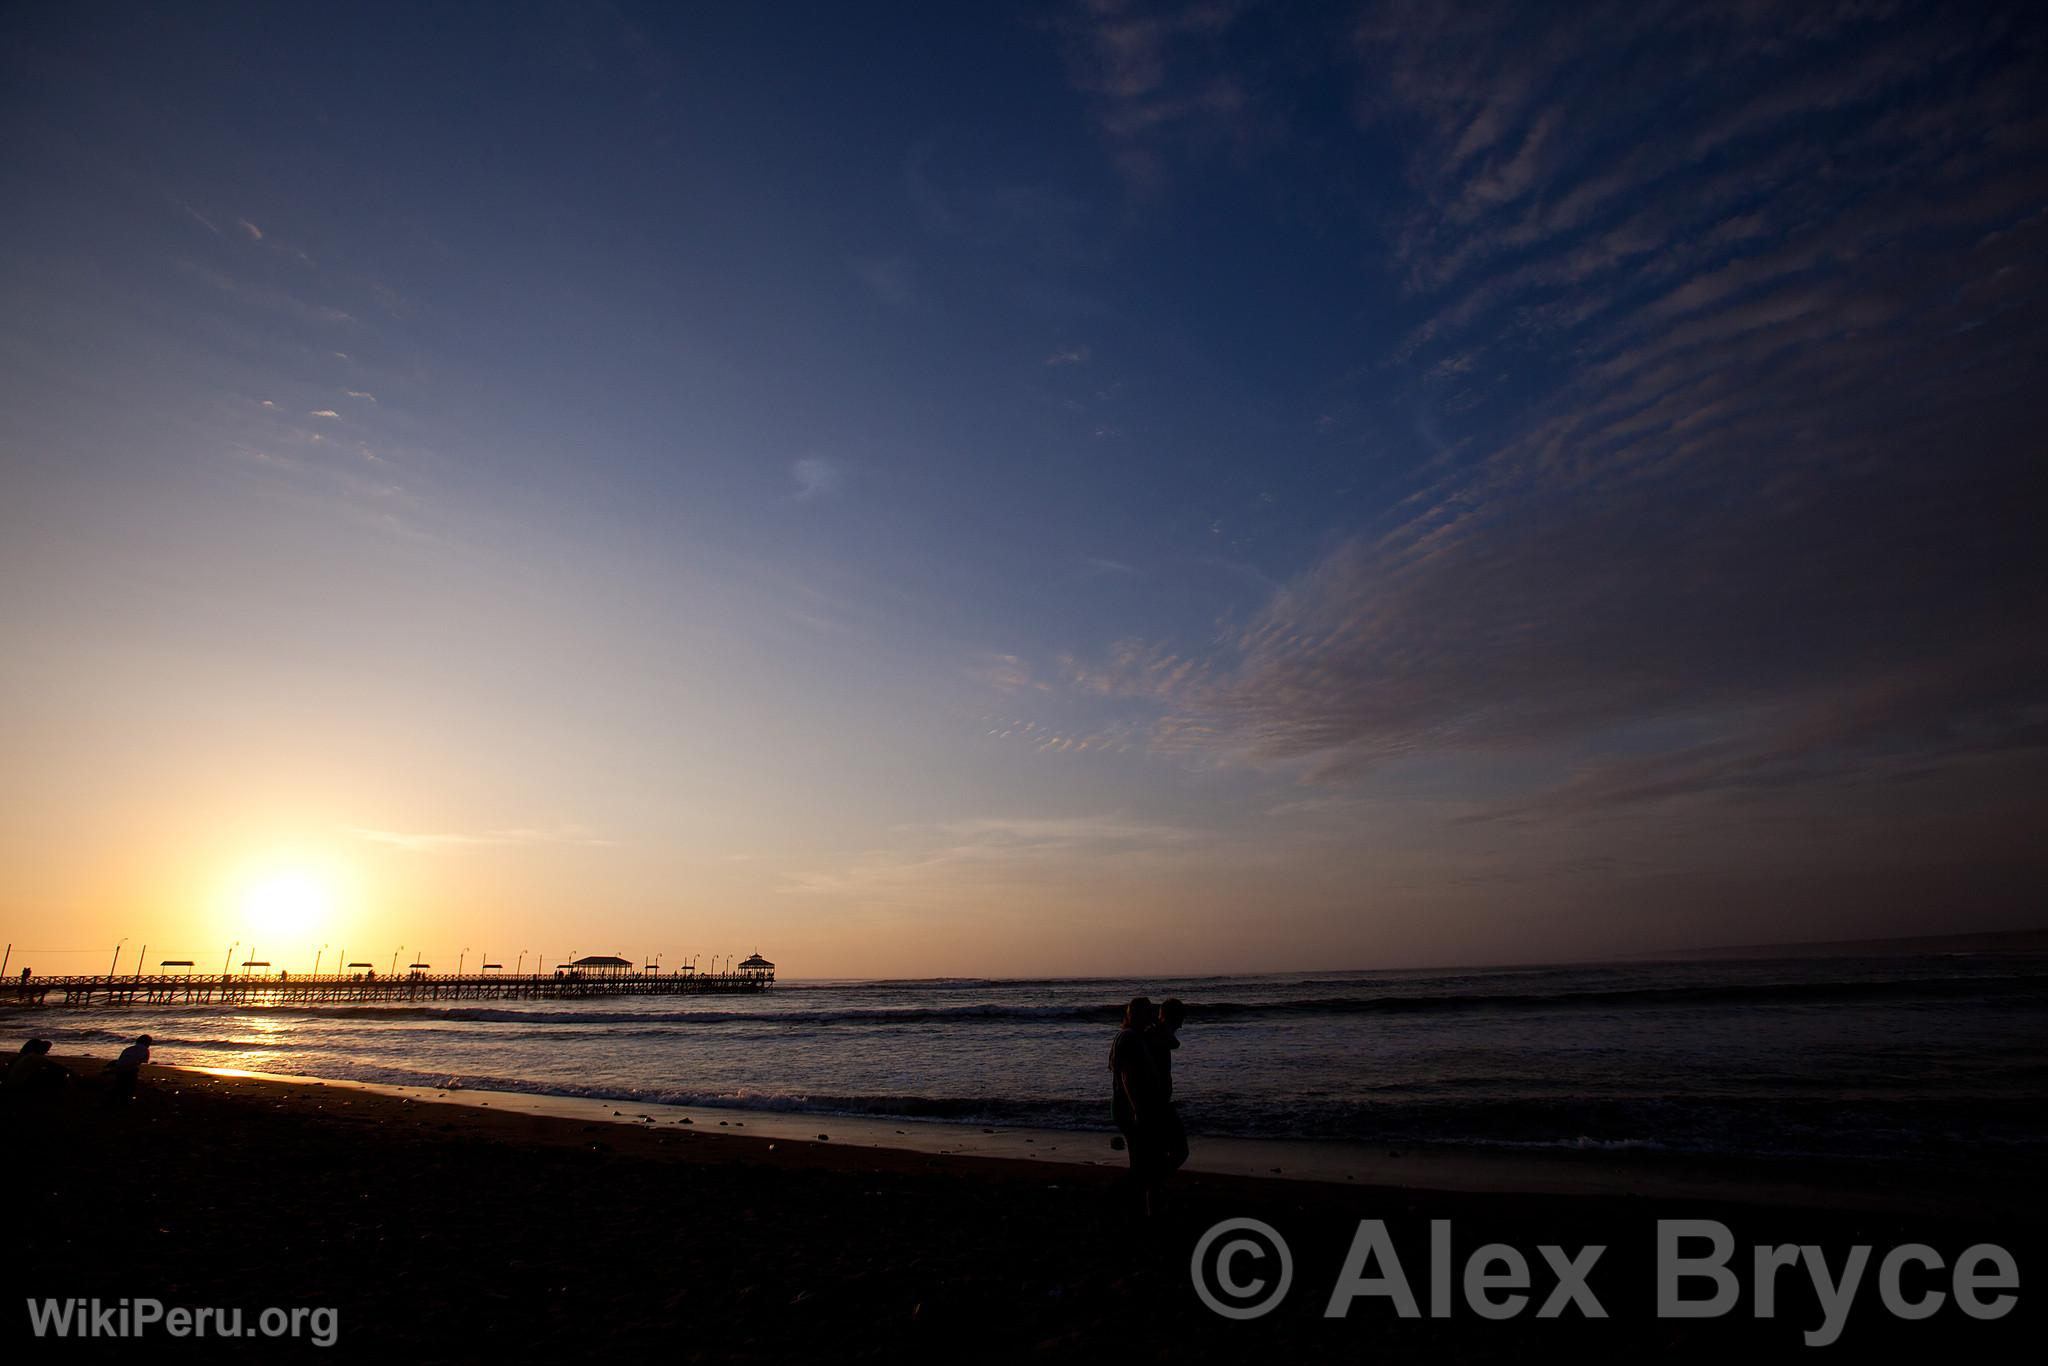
(32, 1074)
(1163, 1038)
(127, 1068)
(1137, 1099)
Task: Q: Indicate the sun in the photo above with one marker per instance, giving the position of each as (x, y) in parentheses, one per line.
(286, 905)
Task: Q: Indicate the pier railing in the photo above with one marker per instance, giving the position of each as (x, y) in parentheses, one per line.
(362, 988)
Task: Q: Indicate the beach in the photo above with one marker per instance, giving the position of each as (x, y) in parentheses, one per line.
(1920, 1058)
(448, 1228)
(1113, 681)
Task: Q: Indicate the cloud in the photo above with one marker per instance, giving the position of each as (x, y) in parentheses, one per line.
(1070, 355)
(1005, 673)
(263, 297)
(201, 219)
(381, 502)
(1754, 515)
(1159, 91)
(357, 393)
(433, 842)
(815, 477)
(1045, 737)
(1838, 614)
(323, 412)
(255, 233)
(1515, 142)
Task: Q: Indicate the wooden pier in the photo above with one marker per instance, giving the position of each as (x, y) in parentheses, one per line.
(278, 989)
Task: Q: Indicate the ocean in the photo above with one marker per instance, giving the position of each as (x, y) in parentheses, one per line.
(1925, 1058)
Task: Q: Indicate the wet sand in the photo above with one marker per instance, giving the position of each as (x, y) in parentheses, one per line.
(1631, 1171)
(473, 1226)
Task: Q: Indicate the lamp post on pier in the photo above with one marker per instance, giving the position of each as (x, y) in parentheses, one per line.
(116, 963)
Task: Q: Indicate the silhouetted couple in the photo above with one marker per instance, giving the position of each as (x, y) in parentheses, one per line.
(1141, 1094)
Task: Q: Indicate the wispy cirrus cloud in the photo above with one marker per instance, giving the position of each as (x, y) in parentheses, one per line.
(1160, 82)
(201, 219)
(1765, 476)
(1047, 737)
(1004, 672)
(265, 297)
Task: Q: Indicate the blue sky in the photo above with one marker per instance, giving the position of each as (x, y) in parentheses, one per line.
(977, 486)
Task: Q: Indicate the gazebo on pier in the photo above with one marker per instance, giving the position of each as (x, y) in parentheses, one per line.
(602, 965)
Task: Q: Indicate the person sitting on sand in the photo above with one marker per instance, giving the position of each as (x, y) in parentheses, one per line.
(127, 1068)
(1136, 1097)
(1162, 1038)
(33, 1074)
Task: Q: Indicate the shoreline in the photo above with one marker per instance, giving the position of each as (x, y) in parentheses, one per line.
(1640, 1173)
(474, 1226)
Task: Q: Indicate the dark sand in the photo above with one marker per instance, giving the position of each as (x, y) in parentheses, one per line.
(456, 1233)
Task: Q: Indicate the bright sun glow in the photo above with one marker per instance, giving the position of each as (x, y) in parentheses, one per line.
(286, 905)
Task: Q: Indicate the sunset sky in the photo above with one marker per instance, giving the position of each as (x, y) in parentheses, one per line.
(1010, 489)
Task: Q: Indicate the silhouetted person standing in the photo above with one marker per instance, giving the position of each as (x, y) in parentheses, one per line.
(1137, 1099)
(1163, 1038)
